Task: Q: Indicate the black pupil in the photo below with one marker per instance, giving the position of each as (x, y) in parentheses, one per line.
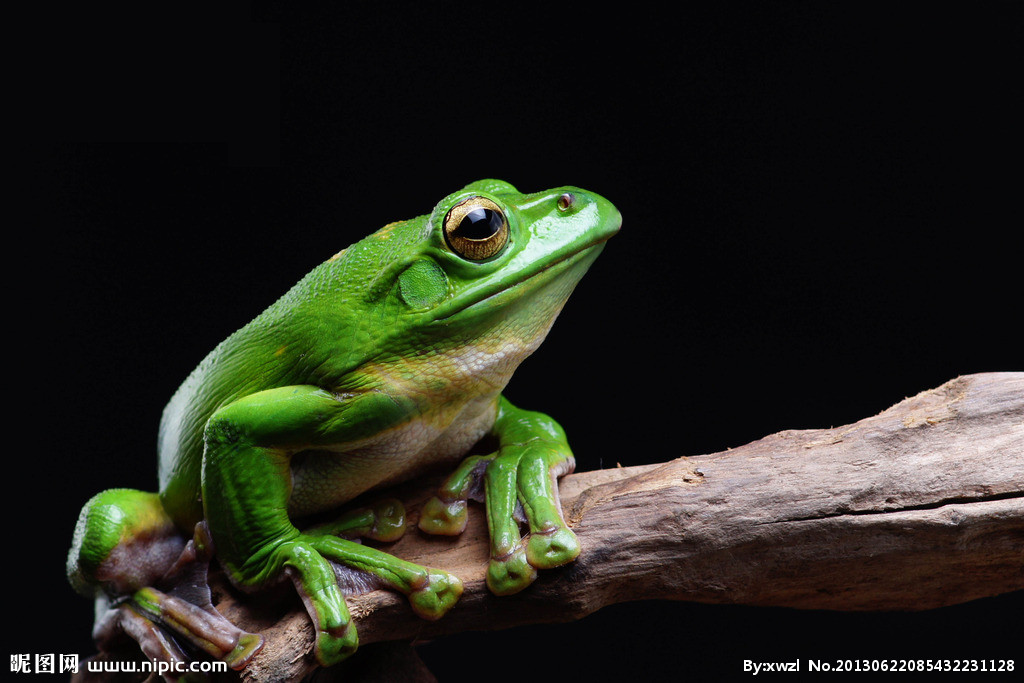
(479, 224)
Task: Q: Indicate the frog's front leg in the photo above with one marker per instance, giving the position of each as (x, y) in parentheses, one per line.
(519, 484)
(246, 488)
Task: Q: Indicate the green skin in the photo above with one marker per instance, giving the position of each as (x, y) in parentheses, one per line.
(385, 360)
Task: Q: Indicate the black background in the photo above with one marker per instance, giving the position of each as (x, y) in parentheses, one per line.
(821, 217)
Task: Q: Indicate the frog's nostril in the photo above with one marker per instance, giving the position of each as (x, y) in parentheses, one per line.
(565, 201)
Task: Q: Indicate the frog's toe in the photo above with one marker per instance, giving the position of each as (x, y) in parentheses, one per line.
(441, 518)
(200, 625)
(245, 649)
(383, 521)
(510, 574)
(388, 521)
(547, 549)
(439, 593)
(153, 640)
(333, 646)
(431, 592)
(317, 586)
(446, 513)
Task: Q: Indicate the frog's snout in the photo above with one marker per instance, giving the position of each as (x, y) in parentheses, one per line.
(608, 218)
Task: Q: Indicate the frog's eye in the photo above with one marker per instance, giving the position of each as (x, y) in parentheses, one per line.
(476, 229)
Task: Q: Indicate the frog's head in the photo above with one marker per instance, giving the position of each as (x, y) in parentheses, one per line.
(489, 263)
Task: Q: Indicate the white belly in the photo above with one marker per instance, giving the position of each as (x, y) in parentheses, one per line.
(324, 479)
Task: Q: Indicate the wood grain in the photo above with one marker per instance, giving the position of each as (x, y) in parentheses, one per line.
(918, 507)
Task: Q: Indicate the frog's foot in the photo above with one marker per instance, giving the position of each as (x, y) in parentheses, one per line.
(164, 625)
(317, 564)
(383, 521)
(519, 485)
(186, 610)
(151, 584)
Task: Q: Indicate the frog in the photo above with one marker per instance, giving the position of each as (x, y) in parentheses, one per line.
(387, 361)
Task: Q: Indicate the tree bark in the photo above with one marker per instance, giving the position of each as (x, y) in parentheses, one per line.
(918, 507)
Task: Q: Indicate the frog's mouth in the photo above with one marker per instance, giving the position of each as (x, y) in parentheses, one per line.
(528, 280)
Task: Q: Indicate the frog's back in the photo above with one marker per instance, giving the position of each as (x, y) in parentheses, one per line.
(237, 367)
(284, 345)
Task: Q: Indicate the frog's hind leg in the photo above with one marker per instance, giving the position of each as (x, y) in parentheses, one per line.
(186, 608)
(150, 583)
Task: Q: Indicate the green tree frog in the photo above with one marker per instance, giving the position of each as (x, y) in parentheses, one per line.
(387, 359)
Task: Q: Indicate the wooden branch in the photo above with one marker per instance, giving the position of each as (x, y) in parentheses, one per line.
(919, 507)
